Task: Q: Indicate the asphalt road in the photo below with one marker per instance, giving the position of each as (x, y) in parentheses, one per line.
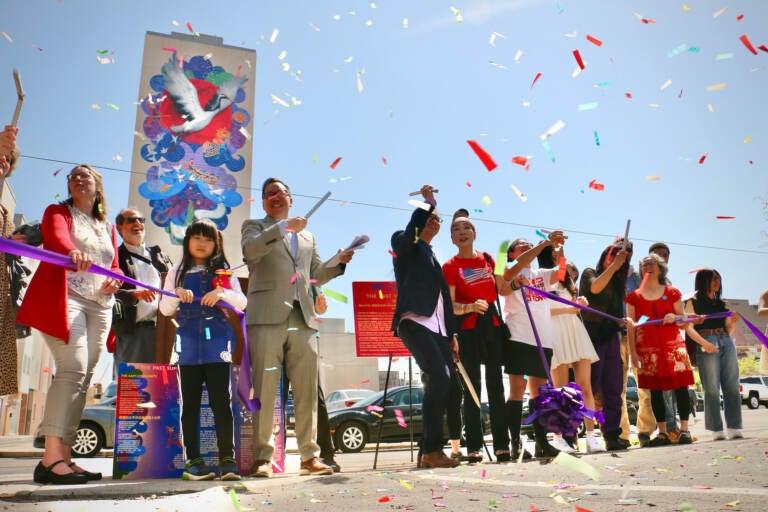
(705, 476)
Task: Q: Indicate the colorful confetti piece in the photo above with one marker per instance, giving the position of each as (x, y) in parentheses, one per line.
(519, 194)
(588, 106)
(535, 79)
(579, 61)
(335, 295)
(335, 163)
(483, 155)
(745, 41)
(594, 40)
(596, 186)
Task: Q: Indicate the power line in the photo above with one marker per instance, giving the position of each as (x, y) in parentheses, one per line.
(402, 209)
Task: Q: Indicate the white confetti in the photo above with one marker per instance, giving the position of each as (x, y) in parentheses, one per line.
(665, 85)
(522, 196)
(559, 125)
(273, 36)
(494, 35)
(279, 101)
(457, 13)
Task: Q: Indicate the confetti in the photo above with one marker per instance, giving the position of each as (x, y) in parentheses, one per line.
(405, 22)
(113, 106)
(654, 177)
(536, 78)
(494, 35)
(57, 171)
(739, 17)
(279, 101)
(645, 21)
(392, 253)
(710, 107)
(665, 85)
(468, 184)
(718, 13)
(745, 40)
(359, 81)
(95, 106)
(747, 139)
(273, 37)
(522, 161)
(294, 277)
(559, 125)
(169, 49)
(518, 55)
(703, 157)
(594, 40)
(482, 155)
(335, 163)
(677, 51)
(384, 499)
(588, 106)
(577, 56)
(561, 268)
(723, 56)
(403, 482)
(548, 149)
(335, 295)
(520, 195)
(207, 333)
(575, 464)
(457, 14)
(725, 217)
(486, 200)
(597, 139)
(716, 87)
(189, 27)
(596, 186)
(7, 37)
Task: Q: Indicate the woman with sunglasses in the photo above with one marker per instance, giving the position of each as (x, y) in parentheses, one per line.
(77, 307)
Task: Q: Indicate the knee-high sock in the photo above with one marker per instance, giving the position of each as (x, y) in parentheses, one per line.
(514, 410)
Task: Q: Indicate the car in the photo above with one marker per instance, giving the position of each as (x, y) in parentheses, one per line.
(632, 399)
(754, 391)
(97, 426)
(354, 427)
(346, 398)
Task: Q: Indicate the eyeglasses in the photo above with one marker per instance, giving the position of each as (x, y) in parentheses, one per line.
(131, 220)
(83, 176)
(269, 194)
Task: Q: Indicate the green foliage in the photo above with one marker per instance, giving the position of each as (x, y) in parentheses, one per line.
(749, 366)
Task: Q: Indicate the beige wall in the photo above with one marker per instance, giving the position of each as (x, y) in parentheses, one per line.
(340, 368)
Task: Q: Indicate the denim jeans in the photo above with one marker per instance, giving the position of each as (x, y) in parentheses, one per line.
(720, 371)
(432, 353)
(670, 405)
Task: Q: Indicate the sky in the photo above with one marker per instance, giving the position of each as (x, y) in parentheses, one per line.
(666, 120)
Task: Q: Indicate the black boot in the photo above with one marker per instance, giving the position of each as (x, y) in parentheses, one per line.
(612, 442)
(514, 410)
(544, 450)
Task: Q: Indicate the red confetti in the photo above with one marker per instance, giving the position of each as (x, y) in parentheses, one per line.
(522, 161)
(577, 55)
(392, 253)
(739, 17)
(763, 47)
(469, 184)
(561, 268)
(745, 40)
(251, 200)
(594, 40)
(57, 171)
(384, 160)
(596, 186)
(703, 157)
(647, 21)
(482, 155)
(335, 163)
(168, 49)
(680, 95)
(189, 26)
(725, 217)
(535, 79)
(580, 509)
(628, 95)
(751, 162)
(384, 499)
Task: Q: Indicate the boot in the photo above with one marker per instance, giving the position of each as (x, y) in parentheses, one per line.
(514, 416)
(544, 450)
(612, 442)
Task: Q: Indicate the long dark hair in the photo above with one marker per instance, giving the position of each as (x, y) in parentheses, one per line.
(546, 259)
(217, 260)
(618, 282)
(701, 285)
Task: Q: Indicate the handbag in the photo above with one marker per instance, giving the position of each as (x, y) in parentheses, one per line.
(503, 328)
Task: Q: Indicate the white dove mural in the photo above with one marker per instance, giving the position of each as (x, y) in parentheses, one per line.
(187, 103)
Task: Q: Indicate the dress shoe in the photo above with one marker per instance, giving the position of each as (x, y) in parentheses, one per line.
(437, 459)
(330, 461)
(88, 474)
(261, 469)
(314, 466)
(45, 475)
(502, 456)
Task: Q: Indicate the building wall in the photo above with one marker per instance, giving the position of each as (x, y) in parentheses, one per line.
(340, 368)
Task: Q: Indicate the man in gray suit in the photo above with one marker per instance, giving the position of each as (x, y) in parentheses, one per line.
(282, 258)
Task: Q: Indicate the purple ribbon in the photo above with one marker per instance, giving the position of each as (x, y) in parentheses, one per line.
(62, 260)
(759, 335)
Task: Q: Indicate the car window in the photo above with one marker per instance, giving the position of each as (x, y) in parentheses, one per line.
(333, 397)
(750, 380)
(358, 393)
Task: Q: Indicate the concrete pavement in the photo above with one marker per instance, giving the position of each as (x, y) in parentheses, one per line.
(707, 475)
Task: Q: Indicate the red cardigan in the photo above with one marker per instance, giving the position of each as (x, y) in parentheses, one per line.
(45, 302)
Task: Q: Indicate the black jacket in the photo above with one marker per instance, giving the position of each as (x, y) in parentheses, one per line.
(124, 312)
(419, 275)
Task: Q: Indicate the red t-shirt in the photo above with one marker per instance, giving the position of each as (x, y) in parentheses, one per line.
(473, 279)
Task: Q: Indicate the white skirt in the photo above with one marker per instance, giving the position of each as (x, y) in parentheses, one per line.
(571, 341)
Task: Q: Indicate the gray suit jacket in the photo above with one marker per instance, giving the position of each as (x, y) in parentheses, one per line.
(271, 266)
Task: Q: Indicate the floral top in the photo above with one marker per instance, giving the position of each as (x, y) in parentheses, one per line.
(94, 237)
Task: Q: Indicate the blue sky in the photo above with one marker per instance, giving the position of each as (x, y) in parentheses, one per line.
(428, 86)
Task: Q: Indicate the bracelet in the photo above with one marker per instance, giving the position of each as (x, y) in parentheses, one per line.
(512, 285)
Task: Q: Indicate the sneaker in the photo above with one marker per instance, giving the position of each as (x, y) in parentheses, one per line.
(685, 437)
(228, 469)
(261, 469)
(718, 435)
(196, 469)
(735, 433)
(674, 435)
(644, 439)
(593, 444)
(314, 467)
(331, 462)
(661, 439)
(561, 444)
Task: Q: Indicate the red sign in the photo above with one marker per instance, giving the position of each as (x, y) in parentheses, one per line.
(374, 307)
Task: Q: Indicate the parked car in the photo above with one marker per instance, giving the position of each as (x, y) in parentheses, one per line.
(754, 391)
(354, 427)
(346, 398)
(632, 399)
(96, 429)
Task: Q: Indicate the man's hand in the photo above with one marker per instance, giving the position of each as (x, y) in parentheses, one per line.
(321, 304)
(8, 140)
(455, 348)
(345, 256)
(296, 224)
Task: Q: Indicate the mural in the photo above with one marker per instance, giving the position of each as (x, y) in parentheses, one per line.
(195, 128)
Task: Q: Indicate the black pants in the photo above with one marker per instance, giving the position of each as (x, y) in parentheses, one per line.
(216, 378)
(683, 404)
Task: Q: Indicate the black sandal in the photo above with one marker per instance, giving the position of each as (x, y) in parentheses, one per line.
(88, 474)
(45, 475)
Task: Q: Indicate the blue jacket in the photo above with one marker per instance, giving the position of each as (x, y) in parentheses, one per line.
(204, 334)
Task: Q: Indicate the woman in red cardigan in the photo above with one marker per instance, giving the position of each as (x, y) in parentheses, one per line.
(73, 310)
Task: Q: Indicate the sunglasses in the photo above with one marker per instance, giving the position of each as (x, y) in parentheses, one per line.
(131, 220)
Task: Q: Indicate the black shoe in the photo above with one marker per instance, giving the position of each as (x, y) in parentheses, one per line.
(45, 475)
(330, 461)
(661, 439)
(503, 456)
(644, 439)
(612, 442)
(624, 442)
(88, 474)
(516, 452)
(685, 437)
(544, 450)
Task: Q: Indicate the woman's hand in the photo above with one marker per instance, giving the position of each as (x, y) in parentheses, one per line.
(145, 295)
(82, 260)
(479, 306)
(455, 348)
(635, 360)
(212, 297)
(670, 318)
(709, 348)
(184, 295)
(110, 286)
(582, 300)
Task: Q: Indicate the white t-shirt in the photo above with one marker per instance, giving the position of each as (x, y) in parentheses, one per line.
(516, 317)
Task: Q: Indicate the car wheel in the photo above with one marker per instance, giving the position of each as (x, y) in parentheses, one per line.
(351, 437)
(89, 439)
(753, 402)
